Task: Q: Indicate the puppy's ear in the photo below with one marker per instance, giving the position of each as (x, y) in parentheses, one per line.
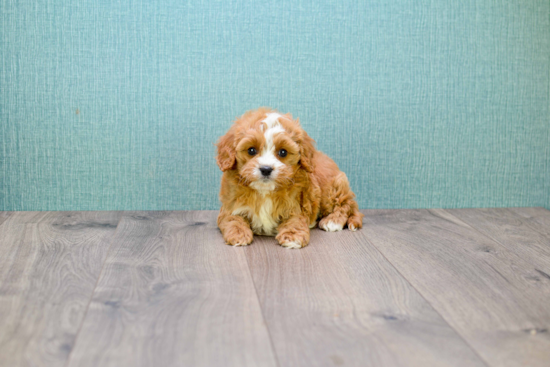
(307, 149)
(226, 151)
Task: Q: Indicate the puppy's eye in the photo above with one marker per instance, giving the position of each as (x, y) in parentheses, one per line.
(252, 151)
(282, 153)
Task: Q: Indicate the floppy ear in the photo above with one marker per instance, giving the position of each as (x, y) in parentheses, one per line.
(307, 149)
(226, 151)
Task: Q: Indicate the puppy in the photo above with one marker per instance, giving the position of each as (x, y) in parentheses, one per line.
(275, 183)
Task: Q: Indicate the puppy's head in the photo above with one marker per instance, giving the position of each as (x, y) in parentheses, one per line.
(266, 148)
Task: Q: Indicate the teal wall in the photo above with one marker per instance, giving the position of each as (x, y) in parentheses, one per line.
(117, 104)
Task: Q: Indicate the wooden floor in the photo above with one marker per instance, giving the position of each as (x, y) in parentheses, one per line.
(467, 287)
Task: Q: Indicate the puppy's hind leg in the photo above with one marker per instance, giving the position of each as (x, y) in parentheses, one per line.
(341, 206)
(355, 220)
(336, 220)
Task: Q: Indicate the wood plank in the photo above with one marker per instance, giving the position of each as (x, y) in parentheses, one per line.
(537, 218)
(487, 293)
(513, 231)
(4, 216)
(173, 294)
(339, 302)
(27, 217)
(49, 264)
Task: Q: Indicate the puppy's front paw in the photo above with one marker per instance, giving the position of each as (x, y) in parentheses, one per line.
(238, 236)
(291, 244)
(292, 240)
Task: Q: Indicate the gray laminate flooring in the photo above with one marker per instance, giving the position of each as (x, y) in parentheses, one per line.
(464, 287)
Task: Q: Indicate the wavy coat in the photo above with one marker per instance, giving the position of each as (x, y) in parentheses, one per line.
(305, 187)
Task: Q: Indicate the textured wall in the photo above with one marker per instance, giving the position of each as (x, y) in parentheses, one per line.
(117, 104)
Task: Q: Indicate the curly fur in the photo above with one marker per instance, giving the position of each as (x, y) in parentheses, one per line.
(305, 186)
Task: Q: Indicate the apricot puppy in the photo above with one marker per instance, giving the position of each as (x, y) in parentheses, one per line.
(275, 183)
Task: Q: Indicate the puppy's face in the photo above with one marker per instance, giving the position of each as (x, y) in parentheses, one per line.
(266, 148)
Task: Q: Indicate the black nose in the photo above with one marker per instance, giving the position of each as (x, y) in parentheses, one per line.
(266, 171)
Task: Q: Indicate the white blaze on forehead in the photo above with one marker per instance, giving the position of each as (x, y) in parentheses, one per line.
(267, 158)
(272, 119)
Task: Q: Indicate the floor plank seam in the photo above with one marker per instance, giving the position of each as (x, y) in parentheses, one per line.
(428, 302)
(94, 289)
(262, 312)
(491, 238)
(4, 218)
(527, 222)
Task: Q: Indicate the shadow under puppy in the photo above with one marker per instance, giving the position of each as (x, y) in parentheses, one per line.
(275, 183)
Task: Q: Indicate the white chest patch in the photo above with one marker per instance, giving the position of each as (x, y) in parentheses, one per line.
(263, 222)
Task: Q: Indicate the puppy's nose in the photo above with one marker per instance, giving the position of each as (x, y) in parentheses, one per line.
(266, 170)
